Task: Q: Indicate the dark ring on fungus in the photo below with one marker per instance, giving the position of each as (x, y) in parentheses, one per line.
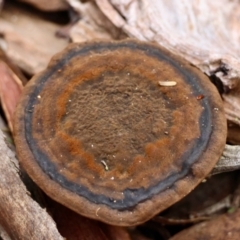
(97, 132)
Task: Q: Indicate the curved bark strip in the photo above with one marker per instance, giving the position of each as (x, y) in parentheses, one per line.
(20, 216)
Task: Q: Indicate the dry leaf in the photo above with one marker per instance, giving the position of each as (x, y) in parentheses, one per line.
(10, 91)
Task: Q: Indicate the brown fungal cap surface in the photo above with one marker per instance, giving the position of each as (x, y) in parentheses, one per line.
(99, 134)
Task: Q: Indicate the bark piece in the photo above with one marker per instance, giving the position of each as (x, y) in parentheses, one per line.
(204, 202)
(3, 234)
(233, 134)
(93, 24)
(46, 5)
(10, 87)
(19, 214)
(223, 227)
(229, 161)
(30, 40)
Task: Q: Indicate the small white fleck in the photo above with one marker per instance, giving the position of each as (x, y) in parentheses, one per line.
(38, 96)
(128, 74)
(167, 83)
(112, 178)
(92, 145)
(97, 212)
(114, 201)
(69, 100)
(105, 165)
(216, 109)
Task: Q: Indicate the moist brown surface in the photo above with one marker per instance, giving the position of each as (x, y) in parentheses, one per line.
(97, 131)
(115, 116)
(111, 126)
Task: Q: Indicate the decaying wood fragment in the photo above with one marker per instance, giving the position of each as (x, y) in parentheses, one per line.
(233, 134)
(223, 204)
(30, 41)
(225, 226)
(229, 161)
(46, 5)
(10, 87)
(13, 68)
(170, 221)
(93, 24)
(3, 234)
(29, 218)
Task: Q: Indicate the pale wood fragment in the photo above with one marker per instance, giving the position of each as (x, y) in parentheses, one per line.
(229, 161)
(93, 24)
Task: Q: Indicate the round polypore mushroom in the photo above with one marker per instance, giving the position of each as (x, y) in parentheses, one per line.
(119, 131)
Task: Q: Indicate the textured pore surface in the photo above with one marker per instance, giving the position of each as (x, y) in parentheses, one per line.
(99, 134)
(116, 116)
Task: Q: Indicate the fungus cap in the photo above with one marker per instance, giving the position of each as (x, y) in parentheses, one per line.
(99, 132)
